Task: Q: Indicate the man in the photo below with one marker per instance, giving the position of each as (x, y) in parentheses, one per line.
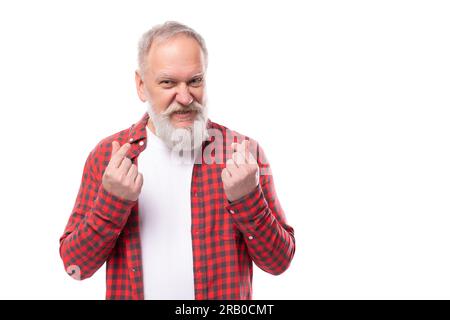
(201, 208)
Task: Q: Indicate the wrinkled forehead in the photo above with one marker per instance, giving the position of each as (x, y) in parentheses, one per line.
(179, 56)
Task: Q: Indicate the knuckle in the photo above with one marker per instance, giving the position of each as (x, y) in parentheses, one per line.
(126, 183)
(120, 177)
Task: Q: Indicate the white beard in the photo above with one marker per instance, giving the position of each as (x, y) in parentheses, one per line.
(181, 139)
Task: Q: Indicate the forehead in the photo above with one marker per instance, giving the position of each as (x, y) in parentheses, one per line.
(180, 56)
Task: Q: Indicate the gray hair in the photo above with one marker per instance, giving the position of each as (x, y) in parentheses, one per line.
(166, 31)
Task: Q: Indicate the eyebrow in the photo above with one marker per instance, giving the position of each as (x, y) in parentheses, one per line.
(168, 76)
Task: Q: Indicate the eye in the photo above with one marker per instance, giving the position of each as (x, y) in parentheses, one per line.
(166, 83)
(197, 81)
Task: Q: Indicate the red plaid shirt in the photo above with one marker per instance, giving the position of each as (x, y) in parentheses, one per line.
(226, 237)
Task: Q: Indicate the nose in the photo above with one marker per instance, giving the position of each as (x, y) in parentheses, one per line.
(183, 96)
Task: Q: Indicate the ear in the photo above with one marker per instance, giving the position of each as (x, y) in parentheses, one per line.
(140, 86)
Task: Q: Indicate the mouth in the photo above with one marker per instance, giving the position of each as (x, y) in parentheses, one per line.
(183, 115)
(182, 112)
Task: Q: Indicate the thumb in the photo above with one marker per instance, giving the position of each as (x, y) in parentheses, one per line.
(115, 147)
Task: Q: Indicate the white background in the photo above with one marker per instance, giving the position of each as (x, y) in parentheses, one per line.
(350, 100)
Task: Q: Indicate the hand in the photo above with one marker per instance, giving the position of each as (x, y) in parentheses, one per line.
(121, 177)
(241, 174)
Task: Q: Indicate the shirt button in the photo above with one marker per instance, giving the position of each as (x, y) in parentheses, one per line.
(134, 269)
(131, 139)
(141, 143)
(250, 238)
(232, 211)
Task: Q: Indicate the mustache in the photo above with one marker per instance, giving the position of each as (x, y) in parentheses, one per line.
(175, 106)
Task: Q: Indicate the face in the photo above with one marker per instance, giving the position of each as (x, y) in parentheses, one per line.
(173, 82)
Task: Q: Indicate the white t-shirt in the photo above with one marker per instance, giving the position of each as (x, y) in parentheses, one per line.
(165, 222)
